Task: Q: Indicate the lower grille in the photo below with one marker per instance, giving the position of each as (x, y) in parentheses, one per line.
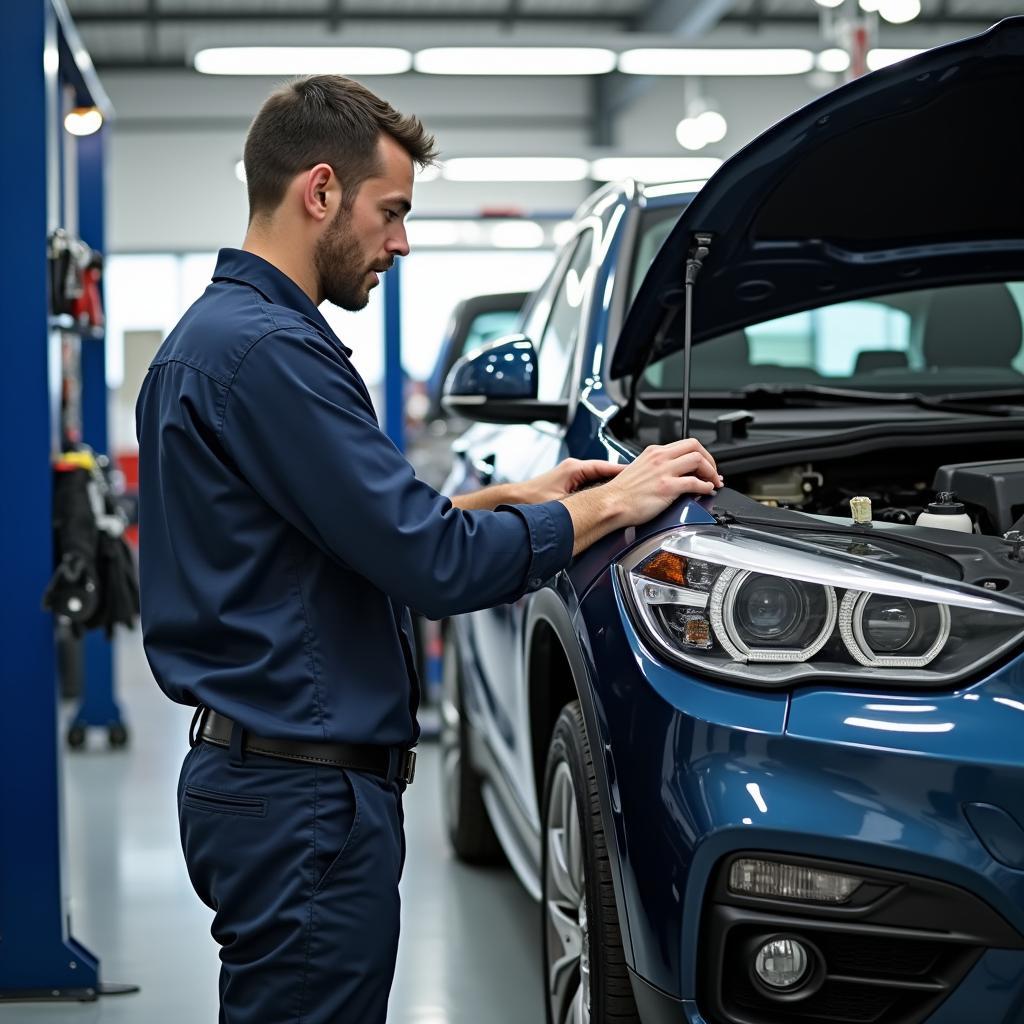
(889, 956)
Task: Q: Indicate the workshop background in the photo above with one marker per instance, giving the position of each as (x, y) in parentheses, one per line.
(131, 143)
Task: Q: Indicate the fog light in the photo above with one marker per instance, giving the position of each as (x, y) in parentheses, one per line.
(782, 964)
(776, 880)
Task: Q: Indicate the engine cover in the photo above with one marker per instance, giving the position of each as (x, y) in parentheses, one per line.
(993, 489)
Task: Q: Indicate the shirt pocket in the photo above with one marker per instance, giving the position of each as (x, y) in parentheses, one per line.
(215, 802)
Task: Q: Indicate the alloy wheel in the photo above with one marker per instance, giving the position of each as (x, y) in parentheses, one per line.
(565, 906)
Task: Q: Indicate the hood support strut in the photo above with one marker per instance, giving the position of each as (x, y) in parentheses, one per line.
(694, 263)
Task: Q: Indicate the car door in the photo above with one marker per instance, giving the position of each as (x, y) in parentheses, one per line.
(507, 454)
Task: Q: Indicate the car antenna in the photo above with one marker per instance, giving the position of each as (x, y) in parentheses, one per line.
(694, 263)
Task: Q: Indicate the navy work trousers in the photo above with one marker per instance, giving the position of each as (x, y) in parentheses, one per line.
(300, 865)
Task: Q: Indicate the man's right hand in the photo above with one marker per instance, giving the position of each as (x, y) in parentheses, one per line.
(659, 476)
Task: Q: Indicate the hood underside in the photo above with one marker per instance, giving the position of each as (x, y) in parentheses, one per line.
(909, 177)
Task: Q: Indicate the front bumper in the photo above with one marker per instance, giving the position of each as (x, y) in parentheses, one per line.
(695, 772)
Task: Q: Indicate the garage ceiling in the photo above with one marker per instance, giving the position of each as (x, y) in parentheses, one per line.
(161, 34)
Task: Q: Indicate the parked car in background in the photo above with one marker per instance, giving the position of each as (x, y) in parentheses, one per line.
(474, 322)
(759, 762)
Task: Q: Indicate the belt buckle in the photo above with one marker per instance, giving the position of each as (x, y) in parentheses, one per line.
(407, 767)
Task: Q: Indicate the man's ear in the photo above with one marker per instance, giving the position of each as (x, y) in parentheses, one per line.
(321, 192)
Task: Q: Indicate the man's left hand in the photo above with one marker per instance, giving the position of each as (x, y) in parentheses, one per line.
(568, 476)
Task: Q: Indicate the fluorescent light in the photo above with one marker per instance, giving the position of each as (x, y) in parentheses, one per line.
(515, 168)
(869, 6)
(899, 12)
(514, 60)
(883, 58)
(834, 60)
(83, 121)
(658, 168)
(709, 62)
(240, 171)
(517, 234)
(434, 232)
(828, 3)
(303, 60)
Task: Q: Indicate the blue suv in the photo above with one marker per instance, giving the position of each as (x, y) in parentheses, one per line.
(761, 760)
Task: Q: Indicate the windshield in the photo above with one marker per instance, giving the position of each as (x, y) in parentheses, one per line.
(933, 340)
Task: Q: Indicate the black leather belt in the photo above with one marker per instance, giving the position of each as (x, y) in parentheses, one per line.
(390, 763)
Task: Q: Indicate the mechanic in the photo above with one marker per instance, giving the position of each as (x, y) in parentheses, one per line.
(282, 537)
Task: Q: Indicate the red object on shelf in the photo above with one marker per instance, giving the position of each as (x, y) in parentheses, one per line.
(128, 463)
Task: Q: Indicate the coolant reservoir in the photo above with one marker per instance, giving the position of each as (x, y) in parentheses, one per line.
(946, 513)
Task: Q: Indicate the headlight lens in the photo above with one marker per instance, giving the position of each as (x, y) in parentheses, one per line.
(766, 609)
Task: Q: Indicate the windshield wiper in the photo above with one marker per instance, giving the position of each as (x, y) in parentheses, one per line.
(968, 402)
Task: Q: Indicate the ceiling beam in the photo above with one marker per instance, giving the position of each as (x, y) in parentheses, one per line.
(683, 19)
(231, 17)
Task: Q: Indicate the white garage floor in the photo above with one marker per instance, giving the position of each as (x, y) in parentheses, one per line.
(469, 941)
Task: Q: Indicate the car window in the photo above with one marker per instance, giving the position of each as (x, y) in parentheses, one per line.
(655, 226)
(931, 339)
(558, 342)
(487, 326)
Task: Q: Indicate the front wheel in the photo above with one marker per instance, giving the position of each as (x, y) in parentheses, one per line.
(585, 969)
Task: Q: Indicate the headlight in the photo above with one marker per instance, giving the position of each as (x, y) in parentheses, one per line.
(770, 610)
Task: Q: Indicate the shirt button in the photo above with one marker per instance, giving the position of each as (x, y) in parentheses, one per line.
(536, 581)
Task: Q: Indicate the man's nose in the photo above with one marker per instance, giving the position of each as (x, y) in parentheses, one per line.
(398, 243)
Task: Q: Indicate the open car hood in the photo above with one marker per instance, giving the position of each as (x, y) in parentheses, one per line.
(910, 176)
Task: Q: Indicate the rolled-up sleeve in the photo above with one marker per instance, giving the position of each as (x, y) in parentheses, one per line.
(298, 426)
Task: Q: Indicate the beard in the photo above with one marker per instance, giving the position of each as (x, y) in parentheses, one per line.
(342, 265)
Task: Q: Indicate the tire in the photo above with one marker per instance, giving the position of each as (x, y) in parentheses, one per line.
(585, 973)
(469, 828)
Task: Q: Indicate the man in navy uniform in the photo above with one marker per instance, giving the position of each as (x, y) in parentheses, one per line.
(282, 538)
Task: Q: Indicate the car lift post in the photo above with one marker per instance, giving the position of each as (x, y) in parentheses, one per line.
(394, 398)
(38, 956)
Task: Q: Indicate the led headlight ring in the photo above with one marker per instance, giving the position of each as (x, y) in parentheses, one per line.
(851, 628)
(722, 611)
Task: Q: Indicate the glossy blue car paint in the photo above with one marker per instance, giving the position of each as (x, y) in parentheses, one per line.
(691, 770)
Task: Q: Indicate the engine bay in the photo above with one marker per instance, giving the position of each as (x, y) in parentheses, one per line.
(901, 486)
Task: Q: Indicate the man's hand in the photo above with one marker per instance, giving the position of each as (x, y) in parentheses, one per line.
(566, 478)
(642, 490)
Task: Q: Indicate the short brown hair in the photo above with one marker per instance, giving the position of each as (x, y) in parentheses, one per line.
(324, 119)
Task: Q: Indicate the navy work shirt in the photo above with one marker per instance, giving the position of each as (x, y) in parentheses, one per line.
(282, 533)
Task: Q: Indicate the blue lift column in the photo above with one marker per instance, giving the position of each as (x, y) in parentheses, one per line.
(38, 956)
(394, 397)
(99, 706)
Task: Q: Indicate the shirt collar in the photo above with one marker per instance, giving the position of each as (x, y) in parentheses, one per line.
(274, 285)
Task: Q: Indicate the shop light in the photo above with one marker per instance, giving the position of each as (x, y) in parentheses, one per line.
(899, 12)
(514, 60)
(883, 58)
(836, 61)
(515, 168)
(675, 188)
(829, 3)
(302, 60)
(709, 63)
(83, 121)
(240, 172)
(654, 169)
(517, 234)
(434, 233)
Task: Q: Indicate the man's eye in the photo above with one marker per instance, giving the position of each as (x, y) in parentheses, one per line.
(391, 214)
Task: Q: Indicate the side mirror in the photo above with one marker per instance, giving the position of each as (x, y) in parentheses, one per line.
(498, 384)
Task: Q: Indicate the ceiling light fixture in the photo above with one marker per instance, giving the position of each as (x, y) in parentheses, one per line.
(302, 60)
(83, 121)
(517, 234)
(899, 12)
(710, 63)
(654, 169)
(240, 171)
(515, 168)
(835, 61)
(514, 60)
(883, 58)
(829, 3)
